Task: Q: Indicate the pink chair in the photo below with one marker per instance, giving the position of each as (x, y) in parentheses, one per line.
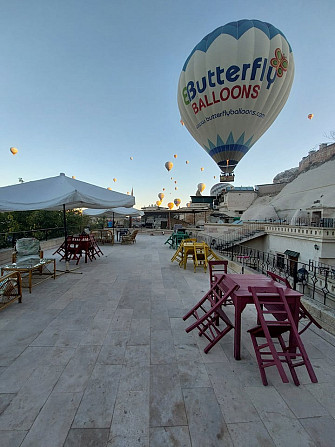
(207, 313)
(271, 301)
(303, 312)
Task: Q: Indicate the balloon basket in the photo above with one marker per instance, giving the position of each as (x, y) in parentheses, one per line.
(227, 177)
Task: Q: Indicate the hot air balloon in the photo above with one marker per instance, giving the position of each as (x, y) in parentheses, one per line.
(175, 181)
(163, 189)
(176, 187)
(187, 162)
(159, 202)
(114, 180)
(201, 169)
(131, 158)
(310, 116)
(233, 86)
(169, 165)
(177, 202)
(175, 156)
(161, 196)
(171, 178)
(13, 150)
(170, 205)
(214, 176)
(109, 188)
(73, 177)
(201, 187)
(182, 122)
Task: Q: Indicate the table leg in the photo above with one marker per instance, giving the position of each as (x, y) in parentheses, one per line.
(30, 279)
(238, 326)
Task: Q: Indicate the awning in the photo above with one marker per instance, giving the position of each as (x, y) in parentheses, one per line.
(293, 254)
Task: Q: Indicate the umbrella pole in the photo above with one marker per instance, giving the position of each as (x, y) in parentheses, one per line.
(67, 269)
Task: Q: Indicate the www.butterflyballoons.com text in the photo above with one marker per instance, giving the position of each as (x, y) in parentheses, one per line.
(230, 112)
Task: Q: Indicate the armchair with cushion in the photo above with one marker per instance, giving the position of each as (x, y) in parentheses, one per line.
(27, 251)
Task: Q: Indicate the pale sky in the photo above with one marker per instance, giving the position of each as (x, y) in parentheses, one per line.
(85, 85)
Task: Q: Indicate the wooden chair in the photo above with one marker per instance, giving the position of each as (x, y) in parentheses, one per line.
(303, 312)
(200, 255)
(129, 238)
(281, 321)
(10, 289)
(217, 266)
(207, 313)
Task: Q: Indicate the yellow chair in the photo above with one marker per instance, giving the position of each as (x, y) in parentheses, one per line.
(200, 256)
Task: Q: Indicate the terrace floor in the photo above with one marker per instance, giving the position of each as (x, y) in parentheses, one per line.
(102, 359)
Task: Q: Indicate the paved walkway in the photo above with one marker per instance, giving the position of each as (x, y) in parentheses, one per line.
(103, 359)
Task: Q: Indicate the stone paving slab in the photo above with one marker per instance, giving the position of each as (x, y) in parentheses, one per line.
(102, 358)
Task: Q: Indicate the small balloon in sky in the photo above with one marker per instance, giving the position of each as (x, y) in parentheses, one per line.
(176, 188)
(201, 169)
(177, 202)
(13, 150)
(169, 165)
(310, 116)
(175, 181)
(182, 122)
(73, 177)
(131, 158)
(214, 176)
(201, 187)
(161, 196)
(170, 205)
(114, 179)
(109, 188)
(187, 162)
(175, 156)
(163, 189)
(158, 202)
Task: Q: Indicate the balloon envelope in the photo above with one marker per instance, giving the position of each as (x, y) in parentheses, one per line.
(161, 196)
(169, 165)
(201, 187)
(170, 205)
(232, 87)
(158, 203)
(177, 202)
(13, 150)
(310, 116)
(175, 156)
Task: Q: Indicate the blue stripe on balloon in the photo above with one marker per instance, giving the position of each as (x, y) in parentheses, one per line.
(229, 148)
(235, 29)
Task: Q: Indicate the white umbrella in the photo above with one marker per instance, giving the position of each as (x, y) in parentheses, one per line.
(60, 193)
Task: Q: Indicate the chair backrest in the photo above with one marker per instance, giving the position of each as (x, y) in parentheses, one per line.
(217, 267)
(279, 279)
(272, 301)
(27, 250)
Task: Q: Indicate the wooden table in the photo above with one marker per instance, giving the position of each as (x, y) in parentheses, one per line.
(241, 297)
(29, 269)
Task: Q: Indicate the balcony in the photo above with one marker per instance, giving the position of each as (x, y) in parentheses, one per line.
(102, 358)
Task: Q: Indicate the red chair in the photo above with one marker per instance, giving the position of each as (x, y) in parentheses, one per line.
(267, 352)
(303, 312)
(208, 312)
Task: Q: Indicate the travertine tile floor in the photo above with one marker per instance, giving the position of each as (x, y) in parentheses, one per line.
(102, 359)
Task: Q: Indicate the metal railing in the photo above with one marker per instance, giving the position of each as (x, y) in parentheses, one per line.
(8, 239)
(314, 279)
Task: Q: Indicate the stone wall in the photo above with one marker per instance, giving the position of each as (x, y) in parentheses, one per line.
(325, 153)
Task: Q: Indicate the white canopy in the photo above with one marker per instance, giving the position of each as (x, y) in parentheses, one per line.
(120, 211)
(54, 192)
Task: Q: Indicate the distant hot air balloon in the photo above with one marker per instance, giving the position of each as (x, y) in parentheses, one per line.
(159, 202)
(201, 169)
(109, 188)
(163, 189)
(131, 158)
(161, 196)
(171, 178)
(233, 86)
(187, 162)
(175, 156)
(214, 176)
(170, 205)
(169, 165)
(201, 187)
(13, 150)
(310, 116)
(114, 180)
(128, 193)
(182, 122)
(73, 177)
(175, 181)
(176, 187)
(177, 202)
